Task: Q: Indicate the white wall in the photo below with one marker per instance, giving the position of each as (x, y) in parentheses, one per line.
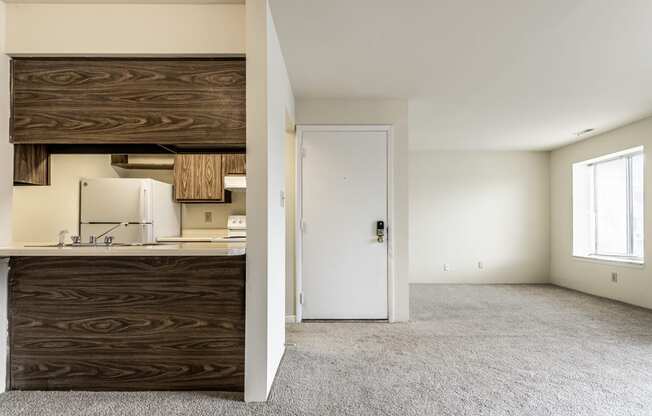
(472, 206)
(634, 283)
(270, 112)
(144, 29)
(280, 120)
(395, 113)
(6, 182)
(40, 212)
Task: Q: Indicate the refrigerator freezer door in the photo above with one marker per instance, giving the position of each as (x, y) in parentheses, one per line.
(133, 233)
(114, 200)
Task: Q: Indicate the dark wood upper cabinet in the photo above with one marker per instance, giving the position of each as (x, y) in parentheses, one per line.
(31, 164)
(128, 101)
(199, 178)
(235, 164)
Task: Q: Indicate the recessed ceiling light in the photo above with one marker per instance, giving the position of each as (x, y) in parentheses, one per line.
(583, 132)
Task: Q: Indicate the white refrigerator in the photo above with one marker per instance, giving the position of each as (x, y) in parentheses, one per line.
(147, 206)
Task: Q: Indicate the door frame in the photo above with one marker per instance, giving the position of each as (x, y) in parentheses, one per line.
(389, 234)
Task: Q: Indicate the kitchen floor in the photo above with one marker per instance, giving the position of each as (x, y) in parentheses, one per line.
(470, 350)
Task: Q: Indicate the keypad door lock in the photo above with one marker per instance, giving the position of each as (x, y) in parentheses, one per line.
(380, 231)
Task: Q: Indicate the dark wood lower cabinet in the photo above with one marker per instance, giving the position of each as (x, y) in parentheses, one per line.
(127, 323)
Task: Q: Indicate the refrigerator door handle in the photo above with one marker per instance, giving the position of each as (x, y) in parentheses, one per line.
(141, 204)
(144, 206)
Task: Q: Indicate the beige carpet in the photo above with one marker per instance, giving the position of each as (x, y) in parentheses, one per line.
(470, 350)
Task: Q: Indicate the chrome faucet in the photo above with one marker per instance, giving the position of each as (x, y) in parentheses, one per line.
(62, 237)
(108, 240)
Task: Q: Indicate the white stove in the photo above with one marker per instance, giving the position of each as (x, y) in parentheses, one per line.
(236, 232)
(236, 226)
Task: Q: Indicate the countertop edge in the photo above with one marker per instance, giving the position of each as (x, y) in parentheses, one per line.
(178, 250)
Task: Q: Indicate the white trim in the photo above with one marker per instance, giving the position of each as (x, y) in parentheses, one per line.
(125, 55)
(290, 319)
(298, 217)
(612, 156)
(590, 166)
(389, 226)
(594, 258)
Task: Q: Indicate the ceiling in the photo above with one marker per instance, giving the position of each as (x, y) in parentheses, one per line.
(128, 1)
(499, 74)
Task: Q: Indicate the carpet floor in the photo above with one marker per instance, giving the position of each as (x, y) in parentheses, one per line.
(469, 350)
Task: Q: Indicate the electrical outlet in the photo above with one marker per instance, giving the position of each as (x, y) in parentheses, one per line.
(446, 268)
(208, 216)
(614, 277)
(480, 265)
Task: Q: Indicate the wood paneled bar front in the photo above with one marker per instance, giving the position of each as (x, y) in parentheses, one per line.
(127, 322)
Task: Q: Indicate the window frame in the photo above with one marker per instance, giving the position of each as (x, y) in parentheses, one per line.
(628, 155)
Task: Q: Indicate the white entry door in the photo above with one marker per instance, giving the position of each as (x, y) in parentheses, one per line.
(343, 185)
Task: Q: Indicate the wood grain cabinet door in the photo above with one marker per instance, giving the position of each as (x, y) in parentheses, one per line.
(235, 164)
(31, 164)
(199, 178)
(184, 177)
(209, 171)
(128, 100)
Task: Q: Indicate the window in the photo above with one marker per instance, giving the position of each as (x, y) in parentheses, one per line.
(608, 207)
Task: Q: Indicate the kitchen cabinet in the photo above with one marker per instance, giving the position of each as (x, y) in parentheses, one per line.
(235, 164)
(31, 165)
(127, 323)
(194, 101)
(199, 178)
(142, 162)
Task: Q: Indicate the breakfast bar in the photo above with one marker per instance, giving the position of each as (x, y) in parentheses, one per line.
(157, 317)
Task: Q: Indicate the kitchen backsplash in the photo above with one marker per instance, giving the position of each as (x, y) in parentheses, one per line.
(205, 216)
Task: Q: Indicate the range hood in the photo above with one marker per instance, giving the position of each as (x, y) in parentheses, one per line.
(235, 182)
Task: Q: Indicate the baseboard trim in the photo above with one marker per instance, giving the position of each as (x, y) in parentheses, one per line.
(488, 283)
(290, 319)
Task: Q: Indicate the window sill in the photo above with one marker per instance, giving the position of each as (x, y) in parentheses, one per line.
(607, 260)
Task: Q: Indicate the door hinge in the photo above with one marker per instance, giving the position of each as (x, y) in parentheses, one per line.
(303, 152)
(302, 225)
(301, 298)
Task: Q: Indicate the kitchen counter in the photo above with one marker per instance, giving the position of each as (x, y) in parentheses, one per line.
(171, 249)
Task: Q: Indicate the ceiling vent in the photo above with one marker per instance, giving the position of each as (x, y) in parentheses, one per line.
(584, 132)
